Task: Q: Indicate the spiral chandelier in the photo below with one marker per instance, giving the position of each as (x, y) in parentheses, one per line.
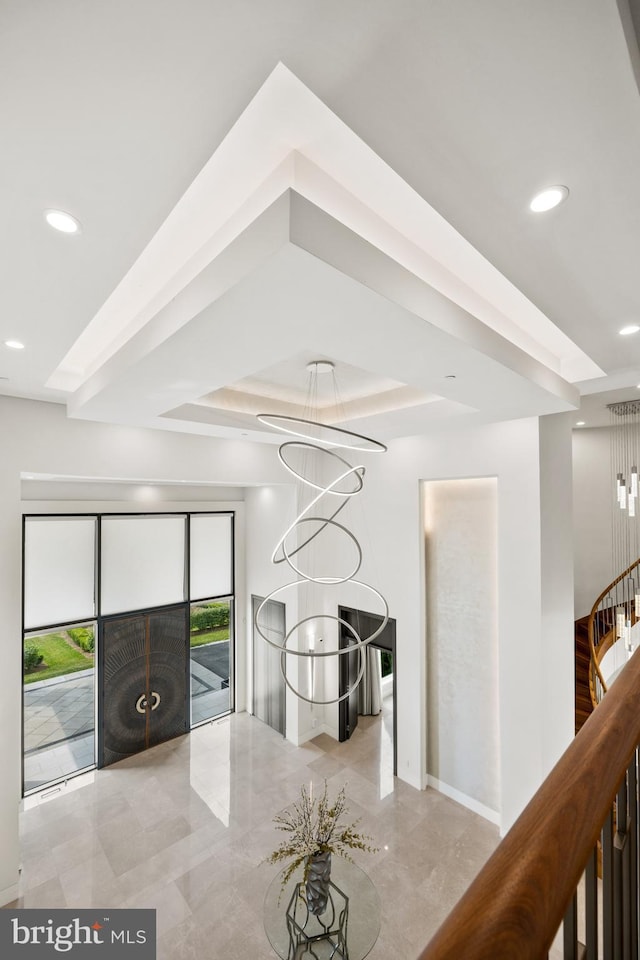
(330, 482)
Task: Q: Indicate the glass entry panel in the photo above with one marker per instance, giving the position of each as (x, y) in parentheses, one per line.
(132, 580)
(268, 683)
(143, 687)
(59, 703)
(211, 659)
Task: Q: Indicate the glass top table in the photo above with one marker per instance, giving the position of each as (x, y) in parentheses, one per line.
(347, 930)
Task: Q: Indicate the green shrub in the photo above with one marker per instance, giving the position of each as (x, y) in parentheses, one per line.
(84, 637)
(208, 618)
(32, 656)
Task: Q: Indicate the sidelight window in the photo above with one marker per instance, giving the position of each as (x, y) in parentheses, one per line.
(211, 659)
(59, 703)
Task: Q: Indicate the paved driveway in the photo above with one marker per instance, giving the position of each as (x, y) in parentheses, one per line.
(209, 680)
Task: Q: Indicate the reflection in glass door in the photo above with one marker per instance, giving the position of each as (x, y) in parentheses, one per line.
(268, 684)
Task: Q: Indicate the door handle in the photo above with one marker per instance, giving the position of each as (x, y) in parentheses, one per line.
(142, 703)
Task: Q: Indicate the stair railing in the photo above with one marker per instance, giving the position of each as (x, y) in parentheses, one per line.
(611, 618)
(514, 907)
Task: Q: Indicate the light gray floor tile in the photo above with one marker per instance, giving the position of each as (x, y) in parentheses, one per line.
(185, 828)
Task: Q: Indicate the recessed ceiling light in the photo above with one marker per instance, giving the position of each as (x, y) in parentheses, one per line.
(548, 199)
(449, 376)
(62, 221)
(14, 344)
(580, 423)
(627, 331)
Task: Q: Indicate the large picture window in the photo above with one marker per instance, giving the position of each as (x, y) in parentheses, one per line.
(211, 546)
(143, 562)
(59, 569)
(80, 569)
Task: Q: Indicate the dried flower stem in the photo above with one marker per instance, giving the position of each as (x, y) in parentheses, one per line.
(314, 826)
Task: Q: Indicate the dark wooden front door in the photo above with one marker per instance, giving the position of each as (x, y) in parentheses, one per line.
(143, 681)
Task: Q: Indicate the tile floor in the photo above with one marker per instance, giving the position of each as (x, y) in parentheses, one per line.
(184, 827)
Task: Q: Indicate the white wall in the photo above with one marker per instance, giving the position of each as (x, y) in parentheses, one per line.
(556, 695)
(593, 503)
(11, 674)
(270, 510)
(390, 532)
(463, 748)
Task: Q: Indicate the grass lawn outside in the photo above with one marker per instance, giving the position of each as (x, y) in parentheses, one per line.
(59, 656)
(210, 636)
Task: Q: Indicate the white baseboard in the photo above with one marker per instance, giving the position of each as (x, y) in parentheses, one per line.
(491, 815)
(412, 780)
(314, 732)
(9, 894)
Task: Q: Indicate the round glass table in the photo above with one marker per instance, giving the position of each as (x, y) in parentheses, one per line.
(346, 930)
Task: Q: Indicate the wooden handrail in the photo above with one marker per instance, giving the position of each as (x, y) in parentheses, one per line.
(613, 583)
(594, 611)
(596, 656)
(514, 907)
(595, 663)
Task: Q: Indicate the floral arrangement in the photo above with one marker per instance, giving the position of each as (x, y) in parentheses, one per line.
(314, 826)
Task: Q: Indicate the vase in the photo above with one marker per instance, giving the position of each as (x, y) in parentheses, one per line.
(317, 885)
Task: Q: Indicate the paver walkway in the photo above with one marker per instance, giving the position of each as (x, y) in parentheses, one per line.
(58, 728)
(57, 710)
